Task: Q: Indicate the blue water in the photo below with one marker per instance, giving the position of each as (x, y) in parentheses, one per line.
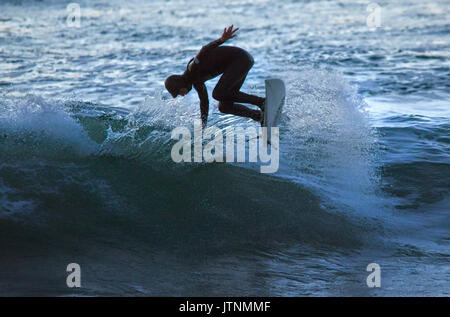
(86, 174)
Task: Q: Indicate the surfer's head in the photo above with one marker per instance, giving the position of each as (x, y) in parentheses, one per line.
(177, 85)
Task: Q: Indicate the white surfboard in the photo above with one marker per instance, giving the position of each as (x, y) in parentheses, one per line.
(275, 95)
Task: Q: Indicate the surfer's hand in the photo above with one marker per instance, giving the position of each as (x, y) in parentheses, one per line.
(228, 33)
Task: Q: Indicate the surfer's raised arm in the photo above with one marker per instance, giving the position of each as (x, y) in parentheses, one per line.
(228, 33)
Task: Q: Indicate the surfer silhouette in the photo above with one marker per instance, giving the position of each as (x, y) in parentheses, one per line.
(212, 60)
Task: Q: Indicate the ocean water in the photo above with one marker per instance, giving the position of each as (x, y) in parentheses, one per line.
(86, 174)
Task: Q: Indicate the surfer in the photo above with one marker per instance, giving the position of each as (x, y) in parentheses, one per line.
(211, 61)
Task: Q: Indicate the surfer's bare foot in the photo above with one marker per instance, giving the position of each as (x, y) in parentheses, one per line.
(260, 117)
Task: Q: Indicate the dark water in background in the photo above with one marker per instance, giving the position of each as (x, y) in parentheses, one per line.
(86, 174)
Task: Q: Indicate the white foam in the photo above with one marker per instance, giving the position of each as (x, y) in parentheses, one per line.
(47, 125)
(327, 141)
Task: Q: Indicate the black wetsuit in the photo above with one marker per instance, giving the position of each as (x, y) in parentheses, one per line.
(233, 63)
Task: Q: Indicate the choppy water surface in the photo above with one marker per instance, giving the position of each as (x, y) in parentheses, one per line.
(86, 174)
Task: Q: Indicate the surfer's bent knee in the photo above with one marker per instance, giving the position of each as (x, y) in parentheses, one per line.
(219, 93)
